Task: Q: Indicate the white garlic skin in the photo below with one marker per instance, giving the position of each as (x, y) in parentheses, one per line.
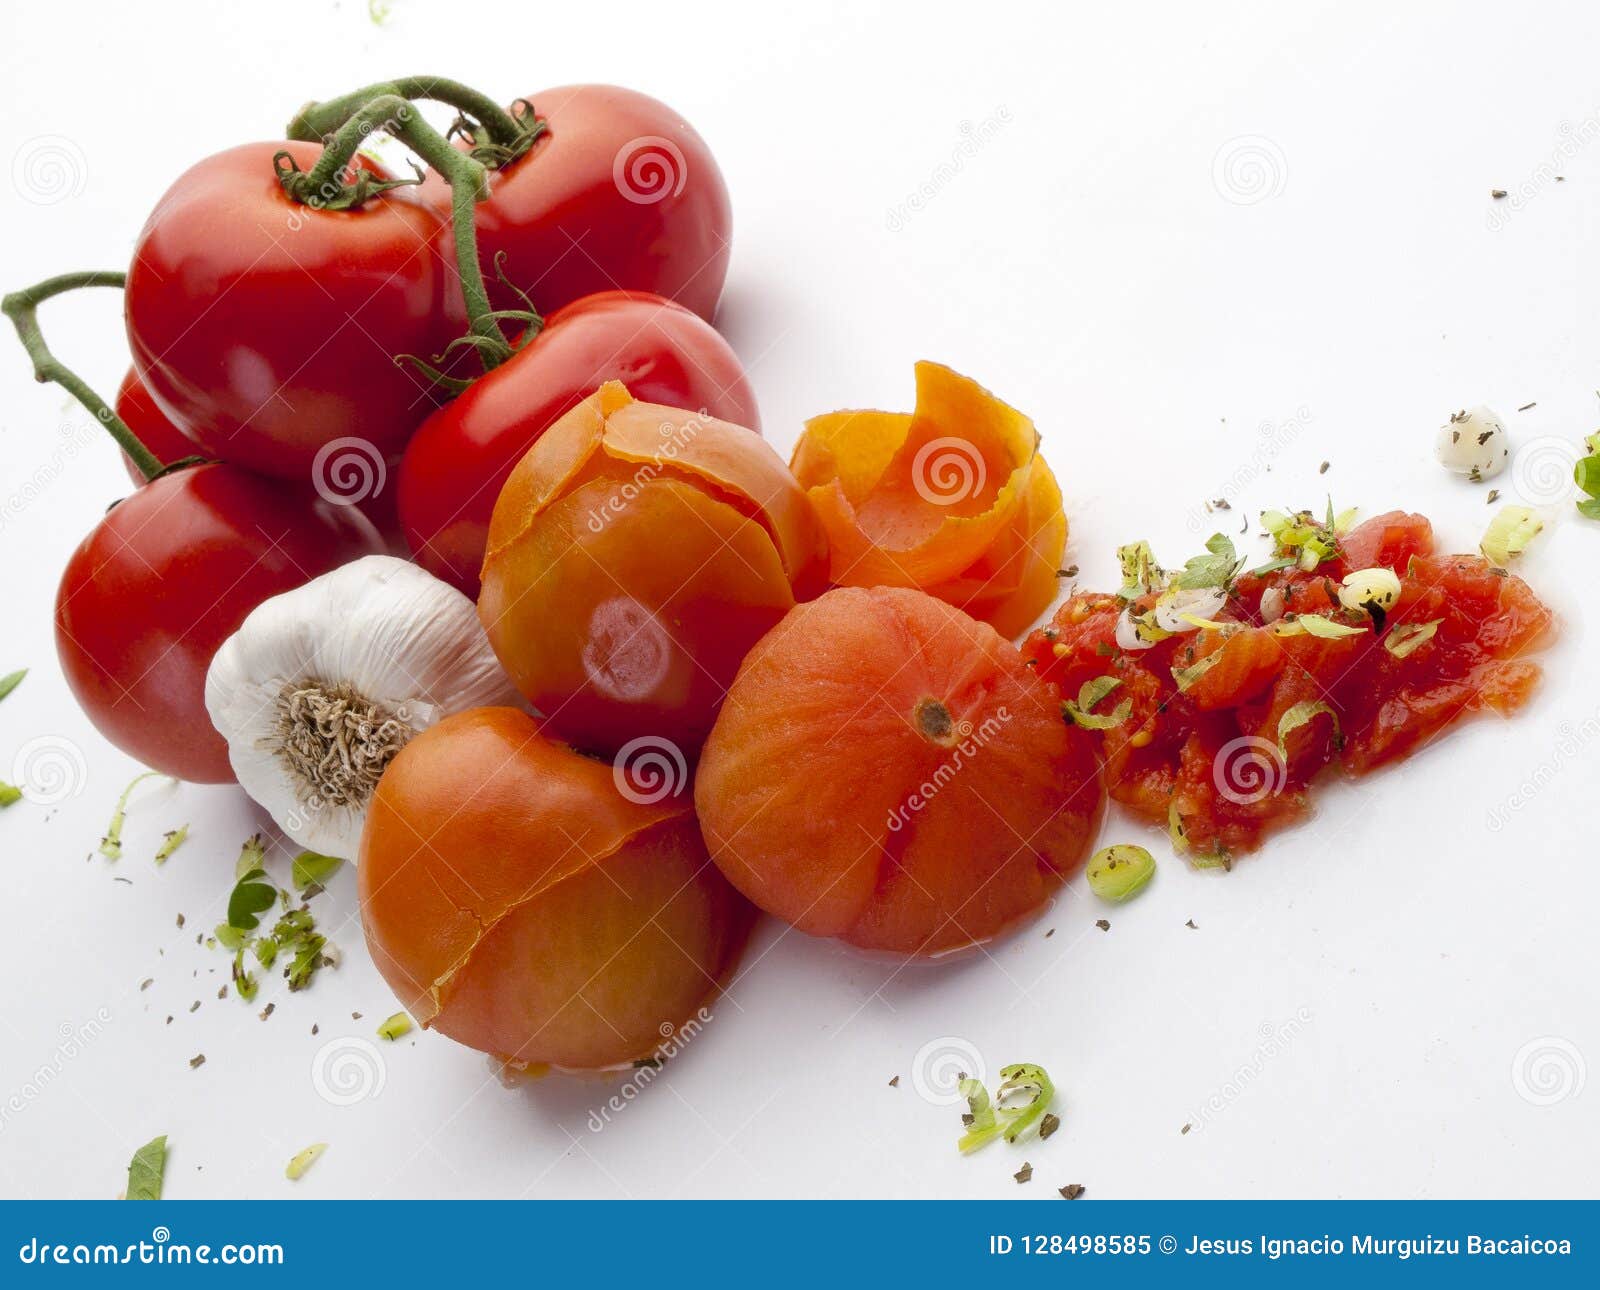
(1474, 444)
(379, 627)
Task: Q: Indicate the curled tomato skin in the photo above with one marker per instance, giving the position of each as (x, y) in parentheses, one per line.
(635, 555)
(265, 329)
(620, 192)
(953, 499)
(538, 905)
(457, 462)
(167, 576)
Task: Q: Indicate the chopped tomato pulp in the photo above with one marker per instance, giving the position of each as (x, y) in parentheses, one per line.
(1229, 722)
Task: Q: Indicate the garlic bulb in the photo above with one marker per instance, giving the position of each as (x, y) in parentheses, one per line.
(1473, 444)
(321, 686)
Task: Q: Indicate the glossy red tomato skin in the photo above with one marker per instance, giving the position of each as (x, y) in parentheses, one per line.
(163, 580)
(457, 462)
(371, 486)
(150, 426)
(619, 193)
(265, 329)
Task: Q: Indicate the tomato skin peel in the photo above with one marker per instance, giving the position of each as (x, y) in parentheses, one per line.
(463, 454)
(635, 555)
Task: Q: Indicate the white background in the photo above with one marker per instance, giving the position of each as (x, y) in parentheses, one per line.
(1183, 223)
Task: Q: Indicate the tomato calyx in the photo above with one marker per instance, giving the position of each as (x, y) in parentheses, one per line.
(22, 307)
(492, 152)
(340, 194)
(528, 322)
(395, 115)
(495, 137)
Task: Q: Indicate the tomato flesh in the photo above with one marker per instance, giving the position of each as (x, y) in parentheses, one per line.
(1230, 756)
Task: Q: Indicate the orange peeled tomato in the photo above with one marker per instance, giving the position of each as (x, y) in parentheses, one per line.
(886, 770)
(953, 498)
(515, 900)
(635, 555)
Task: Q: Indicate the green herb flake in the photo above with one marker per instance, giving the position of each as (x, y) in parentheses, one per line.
(11, 680)
(1301, 714)
(1187, 676)
(252, 856)
(393, 1027)
(1217, 568)
(1090, 693)
(1405, 639)
(1586, 474)
(1119, 873)
(146, 1169)
(1140, 572)
(170, 842)
(1020, 1103)
(1509, 533)
(311, 869)
(303, 1160)
(1315, 625)
(111, 844)
(244, 982)
(252, 895)
(1304, 540)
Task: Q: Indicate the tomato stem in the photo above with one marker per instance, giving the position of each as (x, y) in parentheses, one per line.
(509, 134)
(469, 184)
(22, 307)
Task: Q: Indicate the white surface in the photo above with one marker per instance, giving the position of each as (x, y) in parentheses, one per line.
(1082, 262)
